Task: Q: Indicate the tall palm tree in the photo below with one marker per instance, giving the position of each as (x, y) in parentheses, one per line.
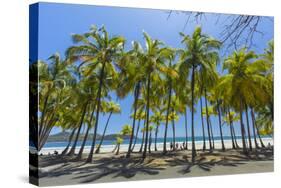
(97, 51)
(154, 58)
(200, 51)
(131, 77)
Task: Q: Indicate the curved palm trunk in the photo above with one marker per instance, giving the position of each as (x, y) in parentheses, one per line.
(142, 141)
(115, 148)
(234, 135)
(155, 139)
(147, 117)
(136, 135)
(254, 131)
(90, 157)
(43, 114)
(86, 135)
(69, 142)
(232, 138)
(185, 124)
(137, 90)
(207, 120)
(102, 138)
(167, 119)
(231, 131)
(192, 115)
(72, 151)
(212, 135)
(242, 128)
(79, 156)
(203, 127)
(220, 125)
(174, 133)
(150, 142)
(118, 149)
(248, 128)
(258, 131)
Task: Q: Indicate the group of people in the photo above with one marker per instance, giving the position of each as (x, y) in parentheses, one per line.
(178, 146)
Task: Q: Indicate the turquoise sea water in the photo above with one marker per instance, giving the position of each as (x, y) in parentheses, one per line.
(126, 141)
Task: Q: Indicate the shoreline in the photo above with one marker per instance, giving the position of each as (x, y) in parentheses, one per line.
(124, 147)
(108, 167)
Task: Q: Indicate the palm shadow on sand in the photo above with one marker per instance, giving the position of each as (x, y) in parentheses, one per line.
(119, 166)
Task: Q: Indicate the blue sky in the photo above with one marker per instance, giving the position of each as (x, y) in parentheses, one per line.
(58, 21)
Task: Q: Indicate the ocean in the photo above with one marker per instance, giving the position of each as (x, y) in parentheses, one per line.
(126, 141)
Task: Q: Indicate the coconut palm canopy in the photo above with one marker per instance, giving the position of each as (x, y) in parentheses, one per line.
(112, 68)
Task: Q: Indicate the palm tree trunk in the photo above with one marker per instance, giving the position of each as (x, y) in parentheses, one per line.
(72, 151)
(212, 135)
(207, 120)
(115, 148)
(150, 141)
(203, 127)
(258, 133)
(137, 90)
(232, 138)
(79, 156)
(254, 130)
(234, 135)
(220, 125)
(102, 138)
(155, 139)
(185, 124)
(192, 114)
(248, 128)
(136, 135)
(167, 118)
(174, 133)
(230, 129)
(242, 128)
(118, 149)
(147, 117)
(90, 157)
(69, 142)
(43, 113)
(142, 141)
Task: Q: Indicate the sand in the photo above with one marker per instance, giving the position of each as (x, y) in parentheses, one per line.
(108, 167)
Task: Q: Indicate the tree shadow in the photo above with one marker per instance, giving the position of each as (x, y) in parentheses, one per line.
(120, 166)
(116, 167)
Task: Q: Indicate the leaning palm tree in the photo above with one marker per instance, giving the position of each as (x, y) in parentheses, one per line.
(54, 88)
(97, 51)
(200, 51)
(110, 107)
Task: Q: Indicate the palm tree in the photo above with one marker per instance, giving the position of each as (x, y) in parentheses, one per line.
(97, 51)
(139, 116)
(157, 118)
(229, 118)
(54, 83)
(131, 76)
(244, 84)
(111, 108)
(153, 58)
(200, 51)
